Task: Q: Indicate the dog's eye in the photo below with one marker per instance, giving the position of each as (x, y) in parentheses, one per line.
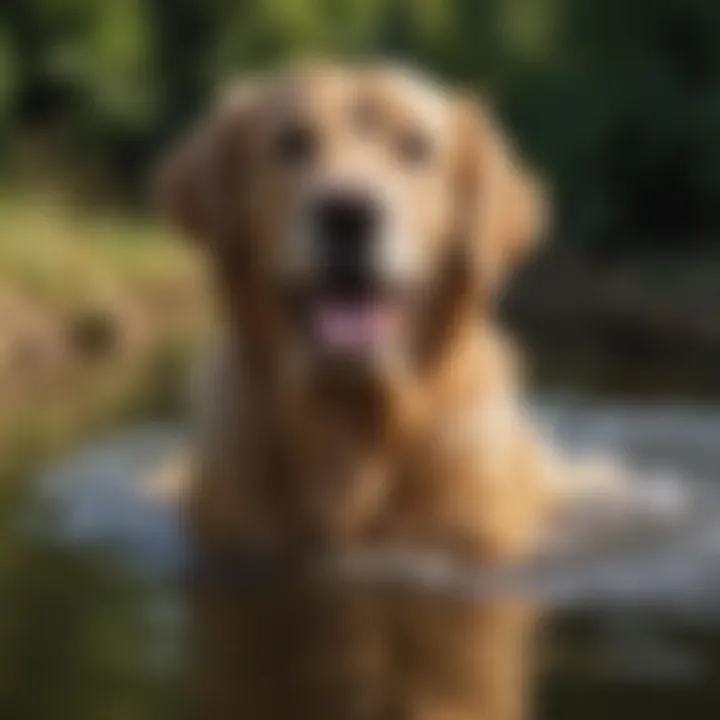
(415, 148)
(295, 145)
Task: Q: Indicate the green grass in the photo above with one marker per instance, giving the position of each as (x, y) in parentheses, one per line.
(69, 258)
(76, 274)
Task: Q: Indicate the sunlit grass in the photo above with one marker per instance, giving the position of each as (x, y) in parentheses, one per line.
(70, 258)
(98, 315)
(90, 402)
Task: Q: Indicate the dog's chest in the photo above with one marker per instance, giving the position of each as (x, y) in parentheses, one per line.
(339, 486)
(332, 486)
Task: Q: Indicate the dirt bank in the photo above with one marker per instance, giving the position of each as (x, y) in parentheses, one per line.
(657, 319)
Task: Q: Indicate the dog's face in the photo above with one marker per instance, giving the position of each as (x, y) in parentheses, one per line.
(341, 195)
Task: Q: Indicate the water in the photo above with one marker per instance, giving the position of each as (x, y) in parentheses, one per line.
(629, 617)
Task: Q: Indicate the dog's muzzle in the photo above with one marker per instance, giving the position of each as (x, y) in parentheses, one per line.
(351, 306)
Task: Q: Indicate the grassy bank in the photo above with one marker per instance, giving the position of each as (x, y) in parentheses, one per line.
(98, 316)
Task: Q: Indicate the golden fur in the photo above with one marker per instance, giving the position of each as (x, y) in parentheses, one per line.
(435, 448)
(428, 447)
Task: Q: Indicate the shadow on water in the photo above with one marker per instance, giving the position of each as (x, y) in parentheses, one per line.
(333, 651)
(81, 635)
(92, 609)
(286, 647)
(630, 663)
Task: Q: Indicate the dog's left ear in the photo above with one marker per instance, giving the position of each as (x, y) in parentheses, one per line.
(201, 185)
(504, 207)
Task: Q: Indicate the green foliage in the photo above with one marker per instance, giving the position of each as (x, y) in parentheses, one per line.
(618, 102)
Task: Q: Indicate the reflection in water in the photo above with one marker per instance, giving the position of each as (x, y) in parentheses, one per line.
(284, 647)
(628, 629)
(628, 663)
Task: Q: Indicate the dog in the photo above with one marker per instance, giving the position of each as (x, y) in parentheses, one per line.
(360, 223)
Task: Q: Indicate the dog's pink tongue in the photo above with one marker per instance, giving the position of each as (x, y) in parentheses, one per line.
(351, 327)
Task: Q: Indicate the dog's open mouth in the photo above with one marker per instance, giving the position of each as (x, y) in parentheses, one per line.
(351, 324)
(354, 325)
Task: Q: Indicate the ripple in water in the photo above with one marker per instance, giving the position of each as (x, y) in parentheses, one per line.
(639, 555)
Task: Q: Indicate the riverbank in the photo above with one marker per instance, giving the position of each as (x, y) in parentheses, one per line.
(98, 318)
(647, 325)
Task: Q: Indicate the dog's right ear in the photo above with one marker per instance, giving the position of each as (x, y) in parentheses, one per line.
(200, 179)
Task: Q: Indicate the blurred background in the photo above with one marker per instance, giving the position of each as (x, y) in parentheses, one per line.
(616, 102)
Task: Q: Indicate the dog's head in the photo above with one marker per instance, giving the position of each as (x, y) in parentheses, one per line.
(336, 201)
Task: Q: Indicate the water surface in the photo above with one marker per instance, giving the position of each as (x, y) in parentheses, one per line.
(630, 620)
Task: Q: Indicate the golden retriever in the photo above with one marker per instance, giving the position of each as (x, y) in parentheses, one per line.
(360, 222)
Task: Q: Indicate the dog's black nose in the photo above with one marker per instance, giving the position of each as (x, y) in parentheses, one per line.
(346, 223)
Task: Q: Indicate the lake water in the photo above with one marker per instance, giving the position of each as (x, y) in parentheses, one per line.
(93, 626)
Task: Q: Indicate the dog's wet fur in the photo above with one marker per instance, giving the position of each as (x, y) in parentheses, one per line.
(360, 223)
